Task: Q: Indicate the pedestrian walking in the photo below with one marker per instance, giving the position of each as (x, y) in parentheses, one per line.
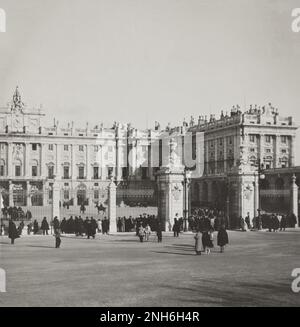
(57, 236)
(197, 238)
(147, 232)
(283, 223)
(141, 233)
(12, 232)
(159, 232)
(207, 241)
(35, 227)
(222, 238)
(45, 226)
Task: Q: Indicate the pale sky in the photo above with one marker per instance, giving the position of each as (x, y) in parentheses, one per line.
(147, 60)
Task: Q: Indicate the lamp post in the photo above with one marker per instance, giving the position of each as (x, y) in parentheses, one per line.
(227, 203)
(261, 177)
(187, 178)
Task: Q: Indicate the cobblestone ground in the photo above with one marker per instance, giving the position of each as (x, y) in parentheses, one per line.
(117, 270)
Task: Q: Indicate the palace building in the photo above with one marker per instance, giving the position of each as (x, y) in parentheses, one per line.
(239, 149)
(229, 154)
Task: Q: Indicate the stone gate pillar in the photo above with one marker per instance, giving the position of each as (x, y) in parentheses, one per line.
(112, 206)
(294, 198)
(170, 196)
(56, 200)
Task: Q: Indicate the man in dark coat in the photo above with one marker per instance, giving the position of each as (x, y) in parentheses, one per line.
(93, 227)
(56, 224)
(45, 226)
(293, 220)
(35, 227)
(222, 238)
(283, 223)
(159, 232)
(12, 232)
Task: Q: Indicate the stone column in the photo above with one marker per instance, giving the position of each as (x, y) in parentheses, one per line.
(57, 165)
(45, 194)
(27, 172)
(11, 198)
(73, 163)
(256, 195)
(292, 151)
(117, 160)
(88, 162)
(171, 192)
(28, 197)
(276, 151)
(9, 160)
(43, 161)
(225, 153)
(55, 200)
(112, 206)
(294, 197)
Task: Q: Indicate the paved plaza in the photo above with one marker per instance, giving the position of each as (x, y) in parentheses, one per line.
(117, 270)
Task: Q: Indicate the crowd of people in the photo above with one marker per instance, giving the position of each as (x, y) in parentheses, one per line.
(272, 222)
(203, 222)
(16, 213)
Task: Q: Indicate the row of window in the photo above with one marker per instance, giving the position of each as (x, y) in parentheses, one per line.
(80, 148)
(66, 172)
(268, 150)
(220, 141)
(268, 138)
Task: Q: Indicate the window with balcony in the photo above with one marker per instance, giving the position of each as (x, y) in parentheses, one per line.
(96, 173)
(268, 139)
(124, 172)
(81, 172)
(252, 138)
(2, 170)
(66, 195)
(51, 172)
(17, 171)
(96, 195)
(283, 139)
(34, 171)
(66, 172)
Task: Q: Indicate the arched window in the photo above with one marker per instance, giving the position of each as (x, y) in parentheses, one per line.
(284, 162)
(18, 168)
(34, 168)
(81, 194)
(81, 171)
(253, 161)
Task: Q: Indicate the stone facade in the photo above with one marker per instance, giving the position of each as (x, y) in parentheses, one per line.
(224, 158)
(237, 148)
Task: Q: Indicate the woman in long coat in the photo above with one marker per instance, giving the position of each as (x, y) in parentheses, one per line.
(222, 238)
(45, 226)
(207, 242)
(12, 232)
(35, 227)
(197, 238)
